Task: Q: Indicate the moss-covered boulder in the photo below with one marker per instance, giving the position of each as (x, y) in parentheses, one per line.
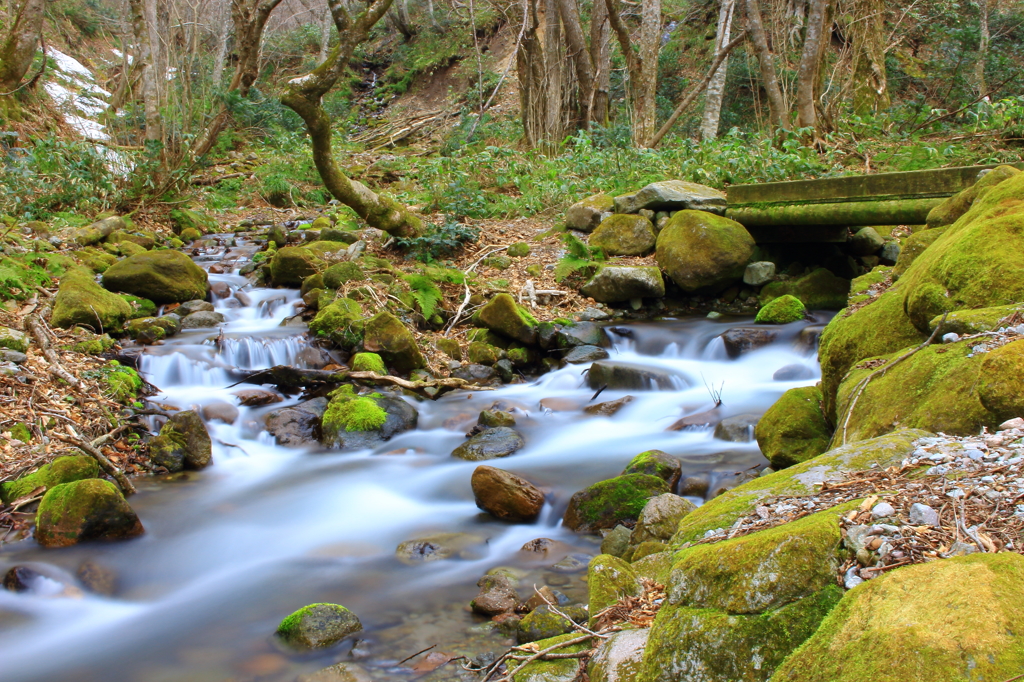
(945, 621)
(607, 504)
(361, 421)
(317, 626)
(818, 290)
(292, 264)
(368, 362)
(81, 301)
(624, 235)
(945, 388)
(965, 322)
(12, 339)
(141, 307)
(618, 658)
(542, 623)
(861, 287)
(912, 247)
(703, 251)
(385, 335)
(60, 470)
(339, 321)
(799, 479)
(613, 284)
(782, 310)
(656, 463)
(99, 230)
(586, 215)
(312, 283)
(89, 509)
(660, 519)
(146, 240)
(503, 316)
(190, 235)
(480, 353)
(341, 273)
(183, 443)
(950, 210)
(183, 219)
(95, 260)
(557, 670)
(794, 429)
(154, 328)
(161, 276)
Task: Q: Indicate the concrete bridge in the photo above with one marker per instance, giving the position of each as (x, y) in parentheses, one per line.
(822, 210)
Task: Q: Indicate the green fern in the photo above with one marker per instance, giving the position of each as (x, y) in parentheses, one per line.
(579, 258)
(426, 293)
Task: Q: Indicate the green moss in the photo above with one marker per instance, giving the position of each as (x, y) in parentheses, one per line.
(486, 336)
(565, 670)
(950, 210)
(794, 429)
(449, 347)
(341, 273)
(349, 412)
(624, 234)
(542, 623)
(80, 301)
(368, 362)
(519, 357)
(386, 335)
(609, 503)
(312, 282)
(183, 219)
(340, 321)
(97, 345)
(483, 354)
(966, 322)
(141, 307)
(502, 316)
(654, 463)
(123, 383)
(318, 625)
(86, 509)
(818, 290)
(60, 470)
(161, 276)
(94, 259)
(190, 235)
(518, 250)
(944, 621)
(700, 250)
(782, 310)
(656, 567)
(498, 262)
(292, 264)
(175, 243)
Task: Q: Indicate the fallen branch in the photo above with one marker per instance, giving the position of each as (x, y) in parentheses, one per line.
(465, 299)
(74, 439)
(35, 326)
(206, 182)
(291, 379)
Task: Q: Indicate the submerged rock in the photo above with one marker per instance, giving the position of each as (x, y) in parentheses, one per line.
(439, 547)
(500, 441)
(90, 509)
(739, 340)
(737, 429)
(497, 595)
(297, 426)
(617, 376)
(317, 626)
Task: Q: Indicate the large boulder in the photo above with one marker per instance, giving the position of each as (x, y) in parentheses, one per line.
(503, 316)
(183, 443)
(317, 626)
(81, 301)
(610, 579)
(588, 214)
(660, 518)
(161, 276)
(950, 210)
(618, 658)
(914, 246)
(364, 421)
(613, 284)
(624, 235)
(99, 230)
(385, 335)
(672, 195)
(609, 503)
(704, 252)
(794, 429)
(292, 264)
(817, 290)
(341, 273)
(89, 509)
(340, 322)
(60, 470)
(505, 495)
(499, 441)
(945, 621)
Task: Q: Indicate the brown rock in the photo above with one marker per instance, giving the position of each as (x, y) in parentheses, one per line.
(496, 596)
(225, 412)
(506, 496)
(699, 420)
(254, 397)
(609, 408)
(741, 339)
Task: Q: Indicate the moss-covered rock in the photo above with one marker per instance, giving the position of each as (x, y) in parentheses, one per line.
(165, 326)
(141, 307)
(912, 247)
(609, 503)
(60, 470)
(966, 322)
(292, 264)
(656, 463)
(700, 250)
(542, 623)
(618, 658)
(95, 260)
(120, 383)
(89, 509)
(183, 219)
(794, 429)
(480, 353)
(939, 388)
(503, 316)
(190, 234)
(360, 421)
(800, 479)
(952, 620)
(12, 339)
(950, 210)
(340, 321)
(613, 284)
(317, 626)
(95, 344)
(449, 347)
(624, 235)
(146, 240)
(586, 215)
(782, 310)
(659, 520)
(385, 335)
(518, 250)
(81, 301)
(99, 230)
(341, 273)
(183, 443)
(818, 290)
(312, 282)
(860, 286)
(368, 362)
(161, 276)
(558, 670)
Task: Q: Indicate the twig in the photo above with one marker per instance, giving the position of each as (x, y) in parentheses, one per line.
(35, 326)
(417, 654)
(465, 300)
(74, 439)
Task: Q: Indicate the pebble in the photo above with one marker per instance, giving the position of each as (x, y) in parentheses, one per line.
(923, 515)
(951, 337)
(851, 580)
(955, 493)
(882, 509)
(976, 455)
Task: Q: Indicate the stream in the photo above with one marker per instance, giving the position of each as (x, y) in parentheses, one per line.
(229, 551)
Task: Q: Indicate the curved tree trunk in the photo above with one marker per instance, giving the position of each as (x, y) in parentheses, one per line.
(641, 65)
(778, 112)
(304, 95)
(19, 49)
(810, 60)
(716, 88)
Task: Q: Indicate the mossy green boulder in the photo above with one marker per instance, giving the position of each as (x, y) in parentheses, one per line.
(339, 320)
(158, 327)
(354, 421)
(943, 388)
(624, 235)
(385, 335)
(89, 509)
(183, 219)
(503, 316)
(587, 214)
(518, 250)
(183, 443)
(609, 579)
(60, 470)
(860, 287)
(782, 310)
(95, 260)
(609, 503)
(703, 251)
(161, 276)
(965, 322)
(480, 353)
(912, 247)
(99, 230)
(950, 210)
(292, 264)
(368, 362)
(557, 670)
(318, 626)
(95, 344)
(618, 658)
(12, 339)
(141, 307)
(542, 623)
(341, 273)
(945, 621)
(81, 301)
(794, 429)
(656, 463)
(818, 290)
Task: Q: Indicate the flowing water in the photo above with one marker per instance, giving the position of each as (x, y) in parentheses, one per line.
(231, 550)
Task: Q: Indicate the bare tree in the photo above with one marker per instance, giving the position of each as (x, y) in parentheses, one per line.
(601, 59)
(983, 40)
(810, 63)
(716, 88)
(778, 111)
(222, 24)
(304, 95)
(547, 80)
(569, 11)
(869, 83)
(641, 64)
(146, 20)
(19, 49)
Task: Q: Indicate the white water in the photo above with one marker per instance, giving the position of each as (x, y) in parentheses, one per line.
(231, 550)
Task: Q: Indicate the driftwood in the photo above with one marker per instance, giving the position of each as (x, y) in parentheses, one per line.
(291, 379)
(35, 327)
(74, 439)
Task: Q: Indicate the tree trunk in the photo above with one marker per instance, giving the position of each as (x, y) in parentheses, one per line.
(223, 19)
(983, 41)
(325, 37)
(810, 61)
(641, 65)
(601, 59)
(19, 49)
(304, 95)
(145, 24)
(778, 111)
(716, 87)
(546, 78)
(569, 11)
(870, 89)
